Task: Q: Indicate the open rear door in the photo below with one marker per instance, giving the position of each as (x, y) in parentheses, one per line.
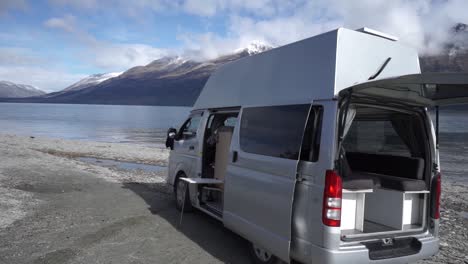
(428, 89)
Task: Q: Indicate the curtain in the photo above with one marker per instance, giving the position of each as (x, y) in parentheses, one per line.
(406, 127)
(345, 169)
(349, 119)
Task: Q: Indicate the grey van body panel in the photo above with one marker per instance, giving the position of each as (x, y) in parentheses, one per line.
(307, 224)
(312, 69)
(186, 160)
(258, 195)
(359, 254)
(263, 200)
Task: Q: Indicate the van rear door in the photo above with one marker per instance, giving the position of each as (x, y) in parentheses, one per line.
(427, 89)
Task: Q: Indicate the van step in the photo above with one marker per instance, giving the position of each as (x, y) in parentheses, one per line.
(214, 208)
(392, 248)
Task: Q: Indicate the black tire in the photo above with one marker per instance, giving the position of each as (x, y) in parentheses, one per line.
(261, 256)
(179, 186)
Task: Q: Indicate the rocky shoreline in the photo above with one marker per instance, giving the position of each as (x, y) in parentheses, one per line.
(36, 171)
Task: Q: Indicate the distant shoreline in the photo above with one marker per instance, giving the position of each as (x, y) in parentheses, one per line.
(19, 101)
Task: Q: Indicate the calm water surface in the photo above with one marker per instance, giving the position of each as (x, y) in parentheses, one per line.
(107, 123)
(148, 125)
(123, 123)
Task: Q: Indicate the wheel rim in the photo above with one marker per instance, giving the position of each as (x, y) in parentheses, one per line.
(262, 254)
(180, 192)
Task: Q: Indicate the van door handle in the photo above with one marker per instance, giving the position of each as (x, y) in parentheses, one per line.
(191, 148)
(234, 156)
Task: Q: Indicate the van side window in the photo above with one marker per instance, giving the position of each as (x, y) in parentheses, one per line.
(230, 121)
(312, 135)
(274, 130)
(190, 127)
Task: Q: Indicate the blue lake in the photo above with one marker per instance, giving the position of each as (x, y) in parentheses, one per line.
(108, 123)
(124, 123)
(148, 125)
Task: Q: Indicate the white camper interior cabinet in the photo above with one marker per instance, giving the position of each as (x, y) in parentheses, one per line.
(381, 210)
(352, 212)
(396, 209)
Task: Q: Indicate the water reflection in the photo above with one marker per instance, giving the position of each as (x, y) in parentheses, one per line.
(108, 123)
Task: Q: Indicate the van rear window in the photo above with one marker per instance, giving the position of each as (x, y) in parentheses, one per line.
(375, 136)
(274, 130)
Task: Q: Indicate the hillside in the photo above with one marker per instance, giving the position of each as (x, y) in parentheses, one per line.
(177, 81)
(14, 90)
(173, 81)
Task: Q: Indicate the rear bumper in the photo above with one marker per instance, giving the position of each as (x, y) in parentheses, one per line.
(360, 254)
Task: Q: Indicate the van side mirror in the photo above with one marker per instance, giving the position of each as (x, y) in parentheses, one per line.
(171, 135)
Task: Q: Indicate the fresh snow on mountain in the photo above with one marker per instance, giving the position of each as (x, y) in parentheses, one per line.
(255, 47)
(167, 66)
(14, 90)
(92, 80)
(178, 80)
(457, 44)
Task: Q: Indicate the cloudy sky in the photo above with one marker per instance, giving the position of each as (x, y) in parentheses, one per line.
(53, 43)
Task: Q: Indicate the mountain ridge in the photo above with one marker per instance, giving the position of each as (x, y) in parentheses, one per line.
(171, 80)
(177, 81)
(14, 90)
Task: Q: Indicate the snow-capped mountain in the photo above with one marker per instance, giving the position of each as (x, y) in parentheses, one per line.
(14, 90)
(177, 81)
(172, 80)
(255, 47)
(454, 57)
(92, 80)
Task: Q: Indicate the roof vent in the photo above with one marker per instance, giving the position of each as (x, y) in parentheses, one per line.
(377, 33)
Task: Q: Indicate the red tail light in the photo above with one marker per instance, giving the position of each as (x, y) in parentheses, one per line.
(331, 213)
(438, 183)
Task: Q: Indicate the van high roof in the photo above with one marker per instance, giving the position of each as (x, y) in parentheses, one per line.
(311, 69)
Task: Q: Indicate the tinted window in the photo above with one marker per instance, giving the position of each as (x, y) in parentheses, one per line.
(273, 131)
(375, 136)
(190, 127)
(311, 142)
(231, 121)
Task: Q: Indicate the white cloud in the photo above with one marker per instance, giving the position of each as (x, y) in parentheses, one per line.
(424, 24)
(196, 7)
(117, 57)
(66, 23)
(44, 78)
(133, 8)
(102, 54)
(81, 4)
(18, 56)
(24, 66)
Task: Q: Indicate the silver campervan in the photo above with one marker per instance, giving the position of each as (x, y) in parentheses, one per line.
(321, 151)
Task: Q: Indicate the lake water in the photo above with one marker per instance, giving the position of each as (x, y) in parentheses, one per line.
(107, 123)
(148, 125)
(124, 123)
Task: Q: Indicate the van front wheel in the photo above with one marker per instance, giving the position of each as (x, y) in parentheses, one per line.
(261, 256)
(179, 188)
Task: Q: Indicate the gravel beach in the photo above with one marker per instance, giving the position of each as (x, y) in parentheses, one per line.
(56, 208)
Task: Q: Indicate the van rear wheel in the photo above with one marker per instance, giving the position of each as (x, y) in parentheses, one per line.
(260, 255)
(179, 195)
